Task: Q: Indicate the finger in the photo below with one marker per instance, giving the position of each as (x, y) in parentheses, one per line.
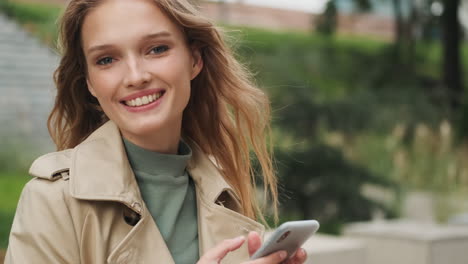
(299, 257)
(254, 242)
(221, 250)
(273, 258)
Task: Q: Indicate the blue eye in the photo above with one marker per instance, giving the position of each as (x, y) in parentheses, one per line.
(105, 61)
(159, 49)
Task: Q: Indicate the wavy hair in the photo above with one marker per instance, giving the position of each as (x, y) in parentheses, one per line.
(227, 115)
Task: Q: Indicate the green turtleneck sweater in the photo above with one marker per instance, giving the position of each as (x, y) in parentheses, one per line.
(169, 194)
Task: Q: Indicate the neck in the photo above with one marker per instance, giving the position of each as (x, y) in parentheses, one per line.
(163, 141)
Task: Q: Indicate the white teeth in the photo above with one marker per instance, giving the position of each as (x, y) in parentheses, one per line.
(139, 102)
(144, 100)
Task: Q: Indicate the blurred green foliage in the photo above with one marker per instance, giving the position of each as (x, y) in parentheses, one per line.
(38, 18)
(337, 103)
(11, 184)
(319, 182)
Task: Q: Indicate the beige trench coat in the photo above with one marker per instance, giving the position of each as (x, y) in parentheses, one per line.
(84, 206)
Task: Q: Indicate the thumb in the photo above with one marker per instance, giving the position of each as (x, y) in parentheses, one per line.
(254, 242)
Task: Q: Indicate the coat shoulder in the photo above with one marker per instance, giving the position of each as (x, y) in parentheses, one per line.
(51, 166)
(50, 193)
(49, 190)
(45, 218)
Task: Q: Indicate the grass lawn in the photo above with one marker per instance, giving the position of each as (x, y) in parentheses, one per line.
(11, 184)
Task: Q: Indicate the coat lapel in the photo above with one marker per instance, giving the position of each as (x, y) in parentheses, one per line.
(100, 171)
(143, 244)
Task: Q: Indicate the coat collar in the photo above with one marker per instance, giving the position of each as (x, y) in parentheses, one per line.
(99, 170)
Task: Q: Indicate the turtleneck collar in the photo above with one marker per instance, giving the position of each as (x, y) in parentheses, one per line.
(155, 163)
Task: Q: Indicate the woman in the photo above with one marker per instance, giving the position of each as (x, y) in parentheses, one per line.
(154, 121)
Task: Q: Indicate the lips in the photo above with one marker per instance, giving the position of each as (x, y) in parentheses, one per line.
(143, 98)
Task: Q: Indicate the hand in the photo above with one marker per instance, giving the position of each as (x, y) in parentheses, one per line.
(216, 254)
(255, 243)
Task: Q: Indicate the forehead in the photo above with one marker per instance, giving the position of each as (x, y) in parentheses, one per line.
(115, 21)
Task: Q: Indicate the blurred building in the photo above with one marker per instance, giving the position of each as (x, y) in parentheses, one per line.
(301, 15)
(296, 16)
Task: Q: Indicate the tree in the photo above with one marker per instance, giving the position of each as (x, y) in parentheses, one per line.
(399, 40)
(317, 180)
(327, 22)
(320, 183)
(452, 34)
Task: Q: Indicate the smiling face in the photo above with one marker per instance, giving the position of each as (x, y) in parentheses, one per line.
(139, 68)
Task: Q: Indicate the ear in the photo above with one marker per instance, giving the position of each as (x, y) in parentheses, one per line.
(197, 62)
(90, 87)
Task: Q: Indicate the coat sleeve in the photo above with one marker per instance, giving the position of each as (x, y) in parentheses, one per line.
(43, 230)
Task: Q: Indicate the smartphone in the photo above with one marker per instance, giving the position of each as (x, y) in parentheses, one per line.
(289, 236)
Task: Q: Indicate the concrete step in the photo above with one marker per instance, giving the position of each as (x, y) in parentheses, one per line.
(32, 62)
(29, 72)
(12, 34)
(20, 56)
(17, 76)
(26, 87)
(23, 100)
(7, 26)
(22, 65)
(12, 31)
(33, 85)
(326, 249)
(21, 38)
(25, 46)
(411, 242)
(32, 93)
(7, 67)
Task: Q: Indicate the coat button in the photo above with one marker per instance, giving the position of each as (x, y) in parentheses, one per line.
(130, 217)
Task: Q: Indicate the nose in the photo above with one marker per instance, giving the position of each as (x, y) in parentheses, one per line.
(136, 75)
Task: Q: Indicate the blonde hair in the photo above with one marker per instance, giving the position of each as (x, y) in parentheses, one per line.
(227, 115)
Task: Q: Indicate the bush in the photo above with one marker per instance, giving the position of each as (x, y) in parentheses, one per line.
(11, 184)
(40, 19)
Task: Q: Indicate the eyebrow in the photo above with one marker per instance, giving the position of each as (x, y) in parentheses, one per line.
(157, 35)
(147, 37)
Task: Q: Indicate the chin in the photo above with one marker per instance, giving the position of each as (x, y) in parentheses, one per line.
(145, 127)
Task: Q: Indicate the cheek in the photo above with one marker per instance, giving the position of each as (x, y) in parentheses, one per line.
(184, 85)
(176, 72)
(103, 83)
